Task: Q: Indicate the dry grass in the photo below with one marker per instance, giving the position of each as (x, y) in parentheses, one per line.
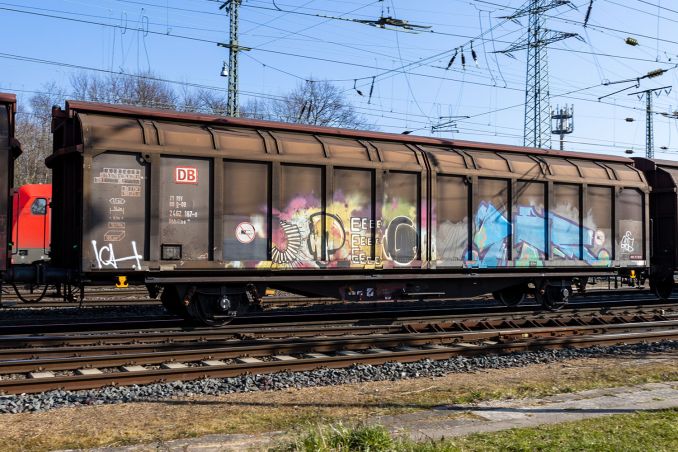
(281, 410)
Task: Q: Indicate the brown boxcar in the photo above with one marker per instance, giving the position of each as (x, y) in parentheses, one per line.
(214, 209)
(662, 175)
(9, 150)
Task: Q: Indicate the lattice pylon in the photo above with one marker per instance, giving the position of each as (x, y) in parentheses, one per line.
(537, 122)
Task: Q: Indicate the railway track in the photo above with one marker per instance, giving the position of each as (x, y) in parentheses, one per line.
(34, 364)
(308, 310)
(97, 296)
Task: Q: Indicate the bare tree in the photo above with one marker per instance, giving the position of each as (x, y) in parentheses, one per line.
(312, 102)
(212, 102)
(257, 109)
(318, 102)
(142, 89)
(33, 129)
(34, 125)
(188, 100)
(315, 102)
(204, 101)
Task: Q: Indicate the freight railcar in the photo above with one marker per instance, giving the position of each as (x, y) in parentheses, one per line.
(662, 175)
(9, 151)
(211, 210)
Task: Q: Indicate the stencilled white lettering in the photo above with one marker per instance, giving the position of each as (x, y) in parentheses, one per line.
(178, 212)
(127, 191)
(119, 176)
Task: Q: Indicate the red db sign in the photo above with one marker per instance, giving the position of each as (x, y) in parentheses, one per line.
(185, 175)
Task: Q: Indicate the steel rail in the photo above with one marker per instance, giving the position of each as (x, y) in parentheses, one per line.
(13, 305)
(170, 342)
(160, 355)
(515, 342)
(345, 315)
(461, 322)
(131, 323)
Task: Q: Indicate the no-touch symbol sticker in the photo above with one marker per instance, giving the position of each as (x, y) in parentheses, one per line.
(245, 232)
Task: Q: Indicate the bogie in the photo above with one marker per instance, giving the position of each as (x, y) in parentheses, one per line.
(662, 287)
(209, 305)
(511, 296)
(553, 295)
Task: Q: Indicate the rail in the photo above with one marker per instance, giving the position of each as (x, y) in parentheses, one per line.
(169, 356)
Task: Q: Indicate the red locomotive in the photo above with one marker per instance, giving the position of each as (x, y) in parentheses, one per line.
(31, 220)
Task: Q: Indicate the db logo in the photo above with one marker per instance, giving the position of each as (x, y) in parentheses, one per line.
(185, 175)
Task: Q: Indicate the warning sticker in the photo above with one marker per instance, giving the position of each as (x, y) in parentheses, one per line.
(245, 232)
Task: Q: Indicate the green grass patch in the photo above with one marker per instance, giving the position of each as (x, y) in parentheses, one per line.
(655, 431)
(339, 437)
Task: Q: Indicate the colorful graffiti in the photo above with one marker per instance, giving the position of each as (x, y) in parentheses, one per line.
(353, 238)
(489, 239)
(492, 229)
(401, 241)
(354, 210)
(294, 232)
(362, 241)
(297, 240)
(400, 245)
(530, 237)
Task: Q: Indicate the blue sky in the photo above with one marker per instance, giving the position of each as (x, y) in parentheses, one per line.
(294, 40)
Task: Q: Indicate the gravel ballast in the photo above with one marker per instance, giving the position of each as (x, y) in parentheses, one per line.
(315, 378)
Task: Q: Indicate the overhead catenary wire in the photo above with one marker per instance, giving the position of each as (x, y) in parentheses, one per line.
(315, 58)
(473, 76)
(196, 85)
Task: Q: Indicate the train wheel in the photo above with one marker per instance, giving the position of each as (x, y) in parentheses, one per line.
(553, 298)
(581, 284)
(511, 296)
(174, 303)
(662, 288)
(212, 309)
(216, 306)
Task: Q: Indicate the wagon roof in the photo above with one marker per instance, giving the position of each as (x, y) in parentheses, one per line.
(74, 107)
(671, 163)
(7, 98)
